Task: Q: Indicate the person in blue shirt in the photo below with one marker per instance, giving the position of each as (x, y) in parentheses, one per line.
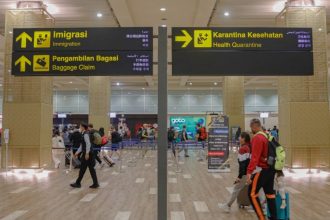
(274, 132)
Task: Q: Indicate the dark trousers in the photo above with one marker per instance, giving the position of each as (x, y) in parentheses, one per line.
(90, 163)
(265, 180)
(97, 150)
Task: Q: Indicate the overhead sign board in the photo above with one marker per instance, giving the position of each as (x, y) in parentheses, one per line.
(82, 51)
(82, 63)
(73, 39)
(242, 51)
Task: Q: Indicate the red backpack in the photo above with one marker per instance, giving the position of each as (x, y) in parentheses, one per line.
(104, 140)
(203, 134)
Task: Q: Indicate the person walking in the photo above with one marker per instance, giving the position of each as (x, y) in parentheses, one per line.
(184, 139)
(171, 139)
(57, 142)
(201, 137)
(87, 159)
(243, 161)
(259, 174)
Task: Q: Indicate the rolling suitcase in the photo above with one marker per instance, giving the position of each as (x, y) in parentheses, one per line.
(108, 160)
(282, 214)
(67, 157)
(243, 199)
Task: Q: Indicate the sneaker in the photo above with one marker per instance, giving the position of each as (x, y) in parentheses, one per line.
(75, 185)
(112, 164)
(224, 207)
(283, 205)
(200, 159)
(94, 186)
(186, 155)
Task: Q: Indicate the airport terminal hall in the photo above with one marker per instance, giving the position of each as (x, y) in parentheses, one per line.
(165, 109)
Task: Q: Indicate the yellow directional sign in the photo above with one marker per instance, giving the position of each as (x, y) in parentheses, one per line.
(22, 61)
(186, 38)
(40, 63)
(41, 39)
(23, 37)
(203, 38)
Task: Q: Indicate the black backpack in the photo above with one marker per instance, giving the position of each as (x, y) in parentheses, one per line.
(170, 135)
(116, 138)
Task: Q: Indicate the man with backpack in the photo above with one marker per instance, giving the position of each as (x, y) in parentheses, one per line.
(96, 141)
(259, 173)
(87, 159)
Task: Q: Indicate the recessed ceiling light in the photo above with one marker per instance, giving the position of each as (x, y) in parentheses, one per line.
(143, 88)
(163, 25)
(320, 29)
(163, 9)
(117, 83)
(215, 83)
(71, 82)
(10, 32)
(99, 15)
(226, 14)
(190, 83)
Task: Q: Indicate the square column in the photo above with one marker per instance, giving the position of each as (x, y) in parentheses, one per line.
(99, 101)
(233, 100)
(27, 102)
(303, 101)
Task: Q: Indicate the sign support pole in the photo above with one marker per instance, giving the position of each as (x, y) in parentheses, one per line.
(162, 124)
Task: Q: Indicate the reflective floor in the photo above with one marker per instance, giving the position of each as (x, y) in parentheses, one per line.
(130, 192)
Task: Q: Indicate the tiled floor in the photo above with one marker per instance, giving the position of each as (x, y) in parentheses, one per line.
(131, 194)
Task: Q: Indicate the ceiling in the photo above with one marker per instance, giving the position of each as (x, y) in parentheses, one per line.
(77, 13)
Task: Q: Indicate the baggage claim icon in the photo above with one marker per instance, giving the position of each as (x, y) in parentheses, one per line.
(40, 63)
(202, 38)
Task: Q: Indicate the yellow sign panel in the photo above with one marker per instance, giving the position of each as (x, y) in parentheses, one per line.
(42, 39)
(22, 61)
(40, 63)
(186, 38)
(23, 37)
(203, 38)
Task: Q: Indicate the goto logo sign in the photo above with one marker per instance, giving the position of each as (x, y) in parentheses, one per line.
(40, 63)
(41, 39)
(178, 120)
(203, 38)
